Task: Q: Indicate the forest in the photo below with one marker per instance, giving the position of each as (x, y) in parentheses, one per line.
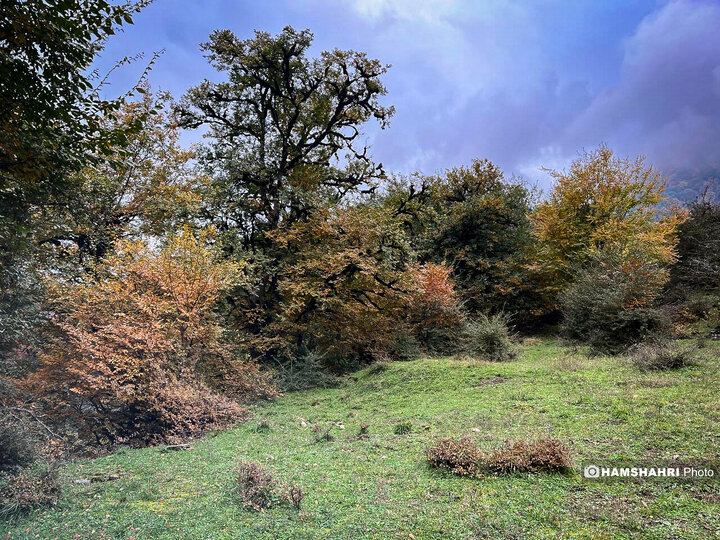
(154, 293)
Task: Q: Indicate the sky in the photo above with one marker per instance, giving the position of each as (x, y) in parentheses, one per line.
(526, 84)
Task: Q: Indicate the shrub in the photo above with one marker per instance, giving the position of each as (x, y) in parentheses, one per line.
(461, 457)
(256, 485)
(258, 488)
(29, 489)
(19, 445)
(523, 456)
(610, 305)
(403, 428)
(658, 356)
(434, 309)
(294, 495)
(487, 337)
(137, 354)
(403, 345)
(302, 370)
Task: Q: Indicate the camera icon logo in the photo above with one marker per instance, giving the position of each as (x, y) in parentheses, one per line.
(591, 471)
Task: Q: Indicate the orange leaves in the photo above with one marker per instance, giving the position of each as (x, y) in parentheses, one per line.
(436, 287)
(345, 282)
(141, 334)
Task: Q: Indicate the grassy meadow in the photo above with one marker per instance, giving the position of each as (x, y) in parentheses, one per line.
(380, 486)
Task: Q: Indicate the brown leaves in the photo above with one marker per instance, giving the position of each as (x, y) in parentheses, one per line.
(137, 345)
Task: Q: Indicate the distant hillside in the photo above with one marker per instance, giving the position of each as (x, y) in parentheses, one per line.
(686, 185)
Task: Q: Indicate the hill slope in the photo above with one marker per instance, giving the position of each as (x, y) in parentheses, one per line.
(380, 486)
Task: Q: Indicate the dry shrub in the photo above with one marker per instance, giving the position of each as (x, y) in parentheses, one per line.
(256, 485)
(568, 362)
(29, 489)
(294, 495)
(176, 413)
(659, 356)
(522, 456)
(138, 355)
(258, 488)
(459, 456)
(19, 445)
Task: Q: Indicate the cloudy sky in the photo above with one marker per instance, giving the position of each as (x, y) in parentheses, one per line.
(526, 83)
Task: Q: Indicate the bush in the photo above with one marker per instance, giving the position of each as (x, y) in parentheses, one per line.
(258, 488)
(461, 457)
(19, 445)
(403, 346)
(658, 356)
(487, 337)
(434, 311)
(403, 428)
(294, 495)
(522, 456)
(303, 370)
(137, 353)
(256, 485)
(29, 489)
(610, 305)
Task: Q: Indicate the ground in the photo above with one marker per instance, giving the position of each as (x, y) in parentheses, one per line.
(380, 486)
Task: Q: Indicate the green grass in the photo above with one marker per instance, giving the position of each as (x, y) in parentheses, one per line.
(380, 486)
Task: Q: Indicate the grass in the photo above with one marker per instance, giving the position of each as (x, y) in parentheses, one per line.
(379, 486)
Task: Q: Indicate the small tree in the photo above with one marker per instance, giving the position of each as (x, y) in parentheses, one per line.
(133, 344)
(434, 310)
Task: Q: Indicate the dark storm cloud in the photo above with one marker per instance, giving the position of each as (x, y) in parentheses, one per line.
(524, 83)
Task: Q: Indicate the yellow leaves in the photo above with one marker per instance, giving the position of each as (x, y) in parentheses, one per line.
(603, 202)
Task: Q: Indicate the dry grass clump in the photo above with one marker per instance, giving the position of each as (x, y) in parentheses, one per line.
(464, 458)
(660, 356)
(258, 488)
(459, 456)
(256, 485)
(29, 489)
(550, 455)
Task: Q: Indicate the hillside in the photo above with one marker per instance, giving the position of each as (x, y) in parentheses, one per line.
(381, 487)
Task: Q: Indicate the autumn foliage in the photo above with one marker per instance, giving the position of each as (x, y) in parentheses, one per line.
(347, 286)
(602, 202)
(434, 313)
(133, 344)
(173, 286)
